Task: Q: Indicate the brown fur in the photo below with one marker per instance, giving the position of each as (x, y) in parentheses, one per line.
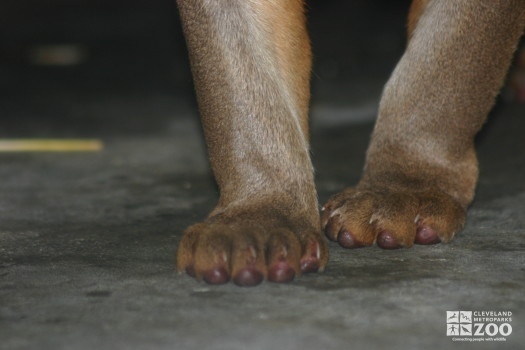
(253, 96)
(416, 10)
(251, 63)
(422, 153)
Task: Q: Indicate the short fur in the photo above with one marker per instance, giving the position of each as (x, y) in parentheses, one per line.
(251, 63)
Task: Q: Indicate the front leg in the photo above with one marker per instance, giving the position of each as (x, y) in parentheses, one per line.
(421, 168)
(251, 64)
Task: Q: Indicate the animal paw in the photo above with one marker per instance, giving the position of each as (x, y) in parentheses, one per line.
(392, 218)
(248, 251)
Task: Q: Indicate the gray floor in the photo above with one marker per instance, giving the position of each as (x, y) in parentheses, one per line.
(87, 247)
(87, 240)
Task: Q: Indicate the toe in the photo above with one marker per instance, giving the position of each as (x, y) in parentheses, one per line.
(426, 235)
(248, 277)
(217, 275)
(351, 226)
(315, 253)
(281, 271)
(212, 257)
(441, 218)
(186, 250)
(248, 263)
(347, 240)
(386, 240)
(283, 256)
(332, 227)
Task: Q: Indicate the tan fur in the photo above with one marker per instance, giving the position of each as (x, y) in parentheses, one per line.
(434, 103)
(253, 97)
(442, 90)
(416, 9)
(251, 64)
(292, 47)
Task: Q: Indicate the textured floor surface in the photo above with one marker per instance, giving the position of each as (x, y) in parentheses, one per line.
(87, 245)
(87, 240)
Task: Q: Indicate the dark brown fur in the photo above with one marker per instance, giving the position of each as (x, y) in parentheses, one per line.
(251, 64)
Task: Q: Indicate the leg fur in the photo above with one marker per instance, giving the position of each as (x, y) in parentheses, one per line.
(421, 168)
(441, 92)
(251, 63)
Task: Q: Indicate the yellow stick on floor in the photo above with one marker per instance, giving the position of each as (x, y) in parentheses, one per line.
(50, 145)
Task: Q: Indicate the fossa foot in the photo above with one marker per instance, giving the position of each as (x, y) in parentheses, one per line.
(391, 218)
(248, 250)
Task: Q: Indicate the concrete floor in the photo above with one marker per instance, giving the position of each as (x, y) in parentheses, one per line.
(87, 240)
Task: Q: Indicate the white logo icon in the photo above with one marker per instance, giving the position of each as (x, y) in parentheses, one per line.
(465, 316)
(465, 329)
(452, 329)
(452, 316)
(459, 323)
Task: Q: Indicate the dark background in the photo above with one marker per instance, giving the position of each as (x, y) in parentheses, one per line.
(135, 61)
